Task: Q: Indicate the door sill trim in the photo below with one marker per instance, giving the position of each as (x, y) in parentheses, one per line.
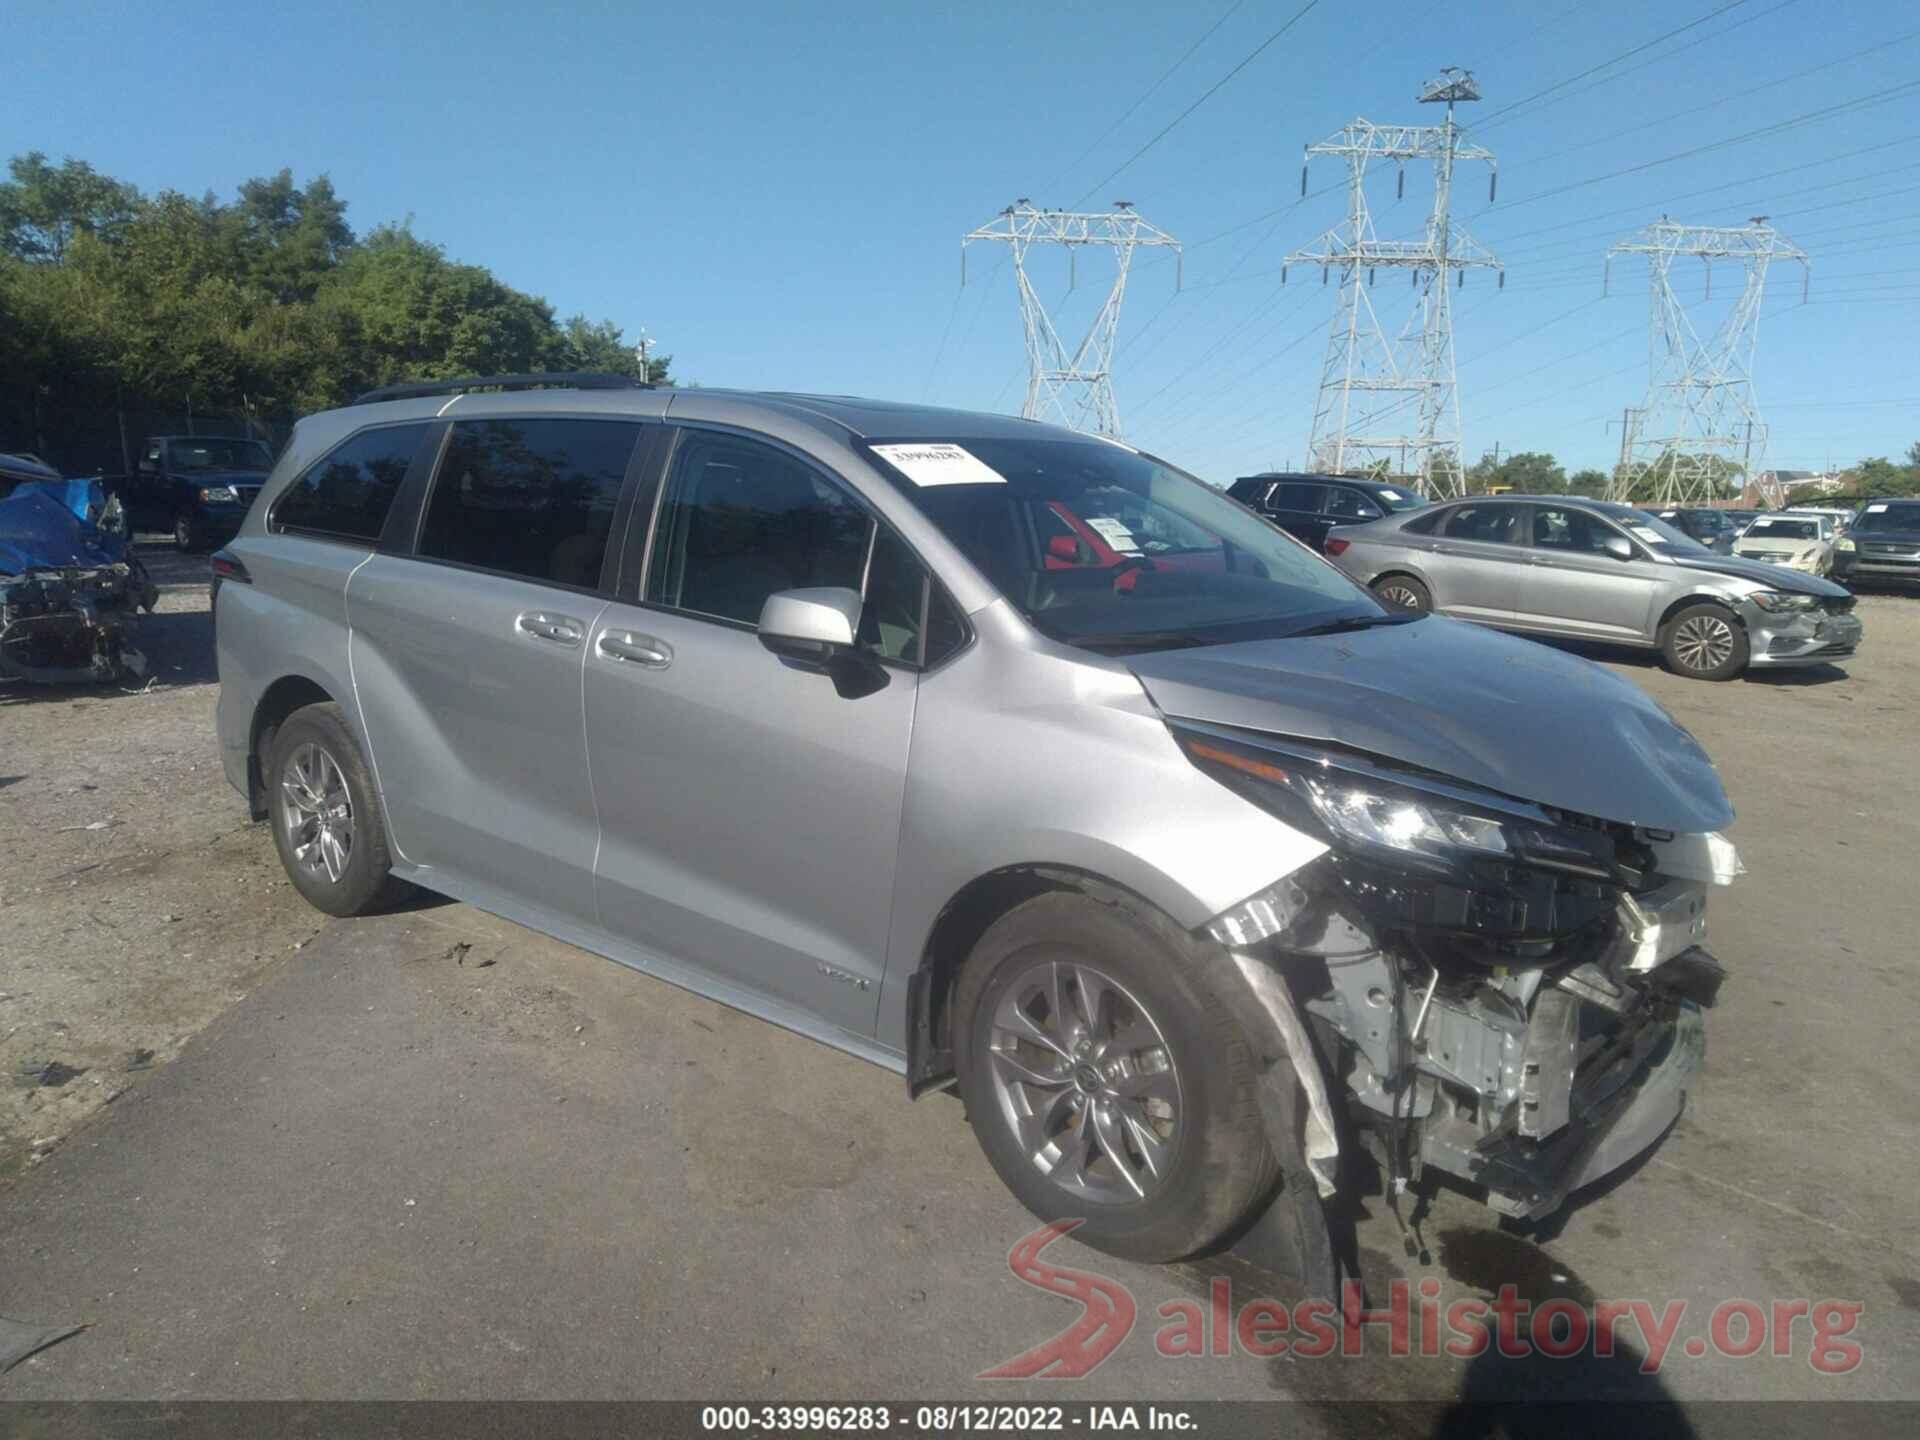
(685, 977)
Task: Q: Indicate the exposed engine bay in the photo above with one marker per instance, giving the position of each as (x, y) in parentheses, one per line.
(70, 596)
(1516, 1004)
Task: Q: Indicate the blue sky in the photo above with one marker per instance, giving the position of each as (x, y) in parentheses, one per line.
(777, 191)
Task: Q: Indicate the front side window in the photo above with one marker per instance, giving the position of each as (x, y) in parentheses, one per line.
(1101, 546)
(532, 498)
(346, 494)
(1490, 524)
(1558, 527)
(742, 521)
(1346, 504)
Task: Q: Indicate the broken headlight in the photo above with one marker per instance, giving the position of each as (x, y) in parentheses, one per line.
(1393, 816)
(1781, 602)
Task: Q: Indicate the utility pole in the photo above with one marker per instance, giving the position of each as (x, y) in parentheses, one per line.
(641, 348)
(1700, 410)
(1073, 387)
(1370, 381)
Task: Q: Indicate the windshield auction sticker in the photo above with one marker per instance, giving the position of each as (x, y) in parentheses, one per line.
(939, 465)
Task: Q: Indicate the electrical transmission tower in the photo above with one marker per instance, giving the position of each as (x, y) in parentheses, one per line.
(1073, 387)
(1396, 399)
(1699, 423)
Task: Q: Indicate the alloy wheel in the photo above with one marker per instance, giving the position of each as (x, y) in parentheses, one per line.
(1399, 595)
(317, 812)
(1086, 1080)
(1703, 642)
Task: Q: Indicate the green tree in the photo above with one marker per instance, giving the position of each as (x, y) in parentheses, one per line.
(1880, 476)
(268, 306)
(1592, 483)
(44, 206)
(1530, 472)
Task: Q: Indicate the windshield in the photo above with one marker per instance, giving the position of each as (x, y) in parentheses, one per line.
(1881, 516)
(1784, 530)
(1098, 545)
(218, 454)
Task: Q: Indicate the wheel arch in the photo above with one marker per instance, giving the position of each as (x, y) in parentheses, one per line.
(1699, 597)
(279, 700)
(957, 928)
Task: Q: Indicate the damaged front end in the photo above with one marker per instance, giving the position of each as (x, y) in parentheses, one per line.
(1507, 993)
(69, 597)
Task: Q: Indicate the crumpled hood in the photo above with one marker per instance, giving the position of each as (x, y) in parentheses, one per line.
(1764, 572)
(1490, 709)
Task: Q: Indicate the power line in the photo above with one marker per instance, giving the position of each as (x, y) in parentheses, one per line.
(1614, 137)
(1777, 127)
(1487, 120)
(1207, 95)
(1148, 93)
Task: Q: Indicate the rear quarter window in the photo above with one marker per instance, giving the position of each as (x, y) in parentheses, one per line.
(347, 492)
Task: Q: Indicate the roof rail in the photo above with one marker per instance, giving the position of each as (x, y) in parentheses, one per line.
(557, 379)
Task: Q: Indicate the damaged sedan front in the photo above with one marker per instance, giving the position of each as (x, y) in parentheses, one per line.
(70, 595)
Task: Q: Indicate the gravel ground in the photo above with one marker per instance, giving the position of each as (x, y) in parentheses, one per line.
(136, 902)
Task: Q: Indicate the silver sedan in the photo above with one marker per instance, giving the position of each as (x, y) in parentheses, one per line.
(1596, 570)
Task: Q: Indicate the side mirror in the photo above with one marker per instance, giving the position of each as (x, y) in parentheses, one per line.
(1063, 547)
(816, 627)
(1366, 512)
(810, 624)
(1618, 546)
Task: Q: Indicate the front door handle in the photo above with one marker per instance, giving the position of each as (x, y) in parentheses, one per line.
(545, 625)
(634, 648)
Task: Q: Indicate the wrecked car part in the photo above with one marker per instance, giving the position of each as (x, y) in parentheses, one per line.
(1507, 993)
(69, 604)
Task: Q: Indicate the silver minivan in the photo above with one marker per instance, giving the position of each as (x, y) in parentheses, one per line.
(1011, 759)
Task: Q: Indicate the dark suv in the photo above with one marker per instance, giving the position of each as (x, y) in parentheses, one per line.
(1883, 544)
(1308, 506)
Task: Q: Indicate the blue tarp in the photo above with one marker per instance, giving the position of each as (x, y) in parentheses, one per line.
(85, 498)
(38, 530)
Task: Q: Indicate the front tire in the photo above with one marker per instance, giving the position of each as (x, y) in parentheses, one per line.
(1704, 642)
(1107, 1082)
(326, 818)
(186, 539)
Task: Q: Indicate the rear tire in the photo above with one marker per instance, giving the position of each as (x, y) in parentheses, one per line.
(1403, 592)
(1704, 642)
(1143, 1118)
(325, 815)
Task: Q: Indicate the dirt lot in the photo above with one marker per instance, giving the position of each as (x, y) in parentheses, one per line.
(542, 1166)
(136, 902)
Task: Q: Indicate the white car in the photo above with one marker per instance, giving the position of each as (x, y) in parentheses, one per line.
(1799, 540)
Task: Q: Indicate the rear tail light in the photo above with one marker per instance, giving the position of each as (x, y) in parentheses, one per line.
(1337, 546)
(227, 566)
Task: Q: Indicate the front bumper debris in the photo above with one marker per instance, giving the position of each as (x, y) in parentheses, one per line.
(1524, 1061)
(74, 624)
(1808, 637)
